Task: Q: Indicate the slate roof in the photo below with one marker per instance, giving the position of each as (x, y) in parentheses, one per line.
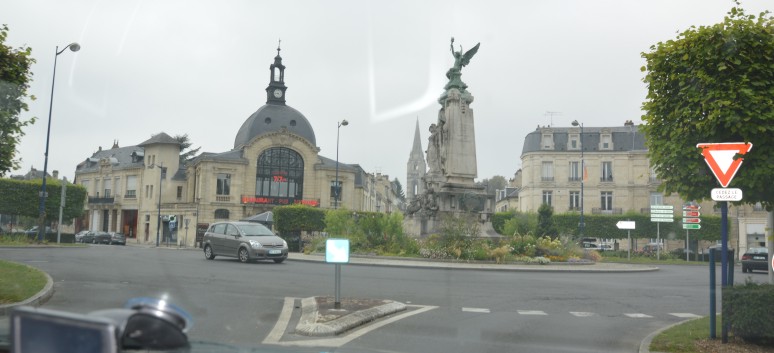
(160, 138)
(120, 158)
(625, 138)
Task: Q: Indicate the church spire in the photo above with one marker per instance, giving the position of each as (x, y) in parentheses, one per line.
(416, 167)
(417, 148)
(275, 92)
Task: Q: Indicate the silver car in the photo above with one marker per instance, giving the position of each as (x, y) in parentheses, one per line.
(244, 240)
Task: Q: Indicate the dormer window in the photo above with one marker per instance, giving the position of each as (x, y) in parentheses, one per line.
(547, 141)
(606, 141)
(573, 142)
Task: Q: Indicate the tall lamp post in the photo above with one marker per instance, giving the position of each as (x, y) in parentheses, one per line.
(42, 222)
(338, 187)
(581, 225)
(161, 179)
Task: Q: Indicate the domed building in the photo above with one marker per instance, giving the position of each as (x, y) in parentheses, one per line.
(275, 161)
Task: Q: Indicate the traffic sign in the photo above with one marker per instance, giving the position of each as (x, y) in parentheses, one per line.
(720, 159)
(691, 213)
(691, 220)
(691, 226)
(625, 224)
(670, 220)
(661, 215)
(661, 207)
(691, 207)
(724, 194)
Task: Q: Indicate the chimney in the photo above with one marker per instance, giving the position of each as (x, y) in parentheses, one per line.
(628, 123)
(55, 174)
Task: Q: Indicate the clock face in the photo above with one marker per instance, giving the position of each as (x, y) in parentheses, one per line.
(277, 93)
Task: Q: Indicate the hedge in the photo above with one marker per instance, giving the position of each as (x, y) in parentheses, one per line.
(748, 308)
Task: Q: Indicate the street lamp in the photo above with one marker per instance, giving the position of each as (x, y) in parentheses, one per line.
(161, 179)
(338, 187)
(42, 222)
(581, 225)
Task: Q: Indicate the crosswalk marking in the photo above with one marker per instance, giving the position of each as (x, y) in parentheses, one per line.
(638, 316)
(684, 315)
(476, 310)
(582, 313)
(531, 312)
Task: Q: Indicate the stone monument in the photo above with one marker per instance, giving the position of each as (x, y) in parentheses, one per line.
(450, 189)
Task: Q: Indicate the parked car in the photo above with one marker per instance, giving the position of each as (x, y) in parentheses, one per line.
(102, 238)
(244, 240)
(755, 259)
(34, 231)
(88, 237)
(117, 238)
(79, 235)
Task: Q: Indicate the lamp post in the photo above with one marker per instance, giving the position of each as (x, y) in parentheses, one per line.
(581, 225)
(161, 179)
(42, 209)
(338, 187)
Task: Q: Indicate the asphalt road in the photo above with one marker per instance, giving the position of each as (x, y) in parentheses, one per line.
(466, 310)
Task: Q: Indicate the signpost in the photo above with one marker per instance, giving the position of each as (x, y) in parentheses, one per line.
(691, 220)
(337, 252)
(658, 214)
(720, 158)
(628, 225)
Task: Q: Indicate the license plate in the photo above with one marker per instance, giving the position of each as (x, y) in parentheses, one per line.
(758, 258)
(275, 252)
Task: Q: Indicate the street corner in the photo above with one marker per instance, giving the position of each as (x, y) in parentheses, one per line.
(316, 321)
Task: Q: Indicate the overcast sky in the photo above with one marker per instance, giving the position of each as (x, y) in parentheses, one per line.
(201, 68)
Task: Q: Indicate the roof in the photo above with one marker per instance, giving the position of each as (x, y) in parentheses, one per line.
(624, 138)
(271, 118)
(233, 155)
(160, 139)
(120, 158)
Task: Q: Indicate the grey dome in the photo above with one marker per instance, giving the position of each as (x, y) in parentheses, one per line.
(273, 117)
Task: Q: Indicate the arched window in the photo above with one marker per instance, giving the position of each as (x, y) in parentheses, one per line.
(280, 175)
(221, 213)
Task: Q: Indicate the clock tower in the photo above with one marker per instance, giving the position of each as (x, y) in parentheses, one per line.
(275, 92)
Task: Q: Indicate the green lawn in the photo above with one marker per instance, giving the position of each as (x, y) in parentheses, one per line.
(19, 282)
(681, 338)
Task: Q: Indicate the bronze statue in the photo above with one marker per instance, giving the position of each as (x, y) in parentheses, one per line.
(460, 59)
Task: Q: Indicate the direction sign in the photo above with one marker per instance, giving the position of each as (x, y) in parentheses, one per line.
(662, 211)
(691, 226)
(720, 159)
(661, 207)
(625, 224)
(691, 207)
(691, 213)
(730, 194)
(691, 220)
(662, 219)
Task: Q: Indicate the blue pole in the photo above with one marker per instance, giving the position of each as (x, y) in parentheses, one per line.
(712, 292)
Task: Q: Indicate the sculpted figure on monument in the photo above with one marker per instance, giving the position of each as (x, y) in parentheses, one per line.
(430, 205)
(433, 150)
(460, 59)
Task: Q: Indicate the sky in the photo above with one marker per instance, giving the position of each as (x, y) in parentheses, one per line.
(201, 68)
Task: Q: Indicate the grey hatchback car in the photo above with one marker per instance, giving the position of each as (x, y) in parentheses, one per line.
(244, 240)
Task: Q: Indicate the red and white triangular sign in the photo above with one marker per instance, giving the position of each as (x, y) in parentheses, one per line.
(720, 158)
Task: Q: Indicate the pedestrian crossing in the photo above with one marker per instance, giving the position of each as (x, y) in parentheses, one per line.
(584, 314)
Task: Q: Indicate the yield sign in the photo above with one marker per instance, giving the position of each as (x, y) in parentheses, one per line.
(720, 158)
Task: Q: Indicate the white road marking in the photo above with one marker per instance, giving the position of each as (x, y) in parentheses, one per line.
(287, 309)
(638, 316)
(685, 315)
(531, 312)
(582, 313)
(476, 310)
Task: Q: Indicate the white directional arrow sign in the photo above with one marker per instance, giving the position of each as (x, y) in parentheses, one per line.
(625, 224)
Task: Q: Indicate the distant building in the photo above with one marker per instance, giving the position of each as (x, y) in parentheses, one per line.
(416, 168)
(275, 161)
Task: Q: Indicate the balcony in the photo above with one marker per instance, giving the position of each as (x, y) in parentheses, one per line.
(597, 210)
(607, 179)
(546, 178)
(574, 178)
(101, 200)
(222, 198)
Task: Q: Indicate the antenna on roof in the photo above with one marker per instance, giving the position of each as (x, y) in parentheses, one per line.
(551, 116)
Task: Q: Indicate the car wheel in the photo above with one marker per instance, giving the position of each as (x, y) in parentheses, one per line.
(94, 241)
(279, 261)
(243, 255)
(208, 252)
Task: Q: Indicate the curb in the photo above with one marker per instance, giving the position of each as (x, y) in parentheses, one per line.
(36, 300)
(308, 327)
(645, 344)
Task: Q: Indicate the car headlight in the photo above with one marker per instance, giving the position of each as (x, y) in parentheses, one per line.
(255, 244)
(284, 243)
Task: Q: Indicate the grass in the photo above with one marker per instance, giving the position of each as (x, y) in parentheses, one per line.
(665, 260)
(23, 240)
(681, 338)
(19, 282)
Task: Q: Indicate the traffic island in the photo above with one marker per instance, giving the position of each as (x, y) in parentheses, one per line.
(320, 318)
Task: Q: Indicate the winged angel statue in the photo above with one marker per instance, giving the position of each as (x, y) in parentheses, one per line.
(460, 59)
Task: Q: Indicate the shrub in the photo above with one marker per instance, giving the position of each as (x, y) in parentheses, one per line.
(748, 310)
(592, 255)
(499, 254)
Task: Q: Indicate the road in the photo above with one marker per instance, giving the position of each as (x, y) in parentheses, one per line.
(466, 310)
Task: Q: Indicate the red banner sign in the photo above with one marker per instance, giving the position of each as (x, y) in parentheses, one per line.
(273, 200)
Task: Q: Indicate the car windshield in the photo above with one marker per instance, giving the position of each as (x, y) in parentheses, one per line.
(249, 230)
(503, 176)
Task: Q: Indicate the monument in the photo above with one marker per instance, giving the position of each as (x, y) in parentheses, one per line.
(449, 186)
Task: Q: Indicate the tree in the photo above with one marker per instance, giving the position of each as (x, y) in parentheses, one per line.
(185, 143)
(493, 184)
(399, 190)
(15, 78)
(713, 84)
(545, 225)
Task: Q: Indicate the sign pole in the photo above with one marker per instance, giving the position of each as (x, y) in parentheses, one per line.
(629, 236)
(658, 241)
(337, 303)
(687, 246)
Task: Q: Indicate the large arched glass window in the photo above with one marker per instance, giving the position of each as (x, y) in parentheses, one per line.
(280, 175)
(221, 213)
